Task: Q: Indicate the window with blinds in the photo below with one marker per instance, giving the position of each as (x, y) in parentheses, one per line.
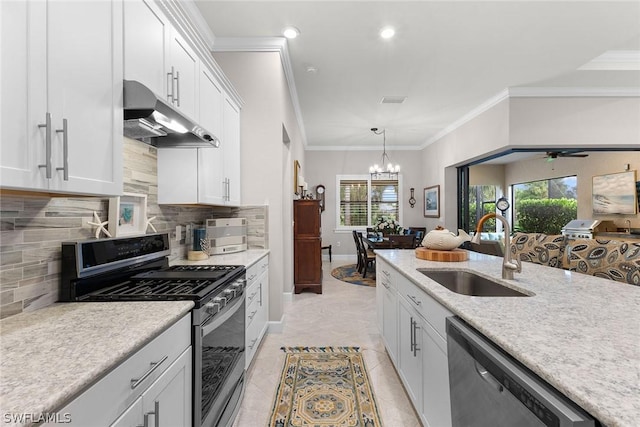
(363, 201)
(354, 198)
(384, 200)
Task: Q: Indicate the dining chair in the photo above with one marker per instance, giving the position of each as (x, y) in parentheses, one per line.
(368, 257)
(357, 241)
(402, 241)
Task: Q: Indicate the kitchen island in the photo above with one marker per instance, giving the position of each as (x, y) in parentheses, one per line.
(579, 333)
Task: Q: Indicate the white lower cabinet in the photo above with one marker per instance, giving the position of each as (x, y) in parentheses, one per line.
(436, 405)
(388, 308)
(418, 348)
(410, 353)
(167, 402)
(153, 387)
(256, 306)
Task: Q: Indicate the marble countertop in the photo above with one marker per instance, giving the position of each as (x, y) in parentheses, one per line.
(579, 333)
(51, 355)
(246, 258)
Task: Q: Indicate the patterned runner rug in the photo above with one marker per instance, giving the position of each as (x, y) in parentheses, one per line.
(348, 273)
(322, 387)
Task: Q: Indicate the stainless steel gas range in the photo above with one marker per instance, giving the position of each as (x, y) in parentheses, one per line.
(137, 269)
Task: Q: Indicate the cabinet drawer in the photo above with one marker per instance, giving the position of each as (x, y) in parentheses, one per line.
(386, 275)
(431, 310)
(113, 394)
(254, 271)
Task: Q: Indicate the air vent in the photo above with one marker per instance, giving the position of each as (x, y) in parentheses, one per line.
(393, 99)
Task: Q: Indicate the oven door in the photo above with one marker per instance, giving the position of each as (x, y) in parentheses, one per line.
(219, 360)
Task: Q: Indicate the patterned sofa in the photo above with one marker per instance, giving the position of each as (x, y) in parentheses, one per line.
(612, 259)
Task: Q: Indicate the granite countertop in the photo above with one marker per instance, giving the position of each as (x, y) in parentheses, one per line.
(579, 333)
(51, 355)
(246, 258)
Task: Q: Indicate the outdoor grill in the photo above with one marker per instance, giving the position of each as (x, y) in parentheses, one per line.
(580, 228)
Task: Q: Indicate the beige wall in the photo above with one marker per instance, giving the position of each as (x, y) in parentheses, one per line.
(266, 160)
(581, 122)
(321, 167)
(597, 163)
(486, 134)
(487, 175)
(529, 123)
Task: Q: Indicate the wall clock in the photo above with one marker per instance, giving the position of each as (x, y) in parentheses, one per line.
(502, 204)
(320, 195)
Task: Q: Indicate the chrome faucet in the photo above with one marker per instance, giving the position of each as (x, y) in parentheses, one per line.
(509, 265)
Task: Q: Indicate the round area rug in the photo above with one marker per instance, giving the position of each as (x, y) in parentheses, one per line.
(349, 274)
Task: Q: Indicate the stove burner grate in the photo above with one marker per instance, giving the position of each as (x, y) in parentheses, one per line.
(153, 289)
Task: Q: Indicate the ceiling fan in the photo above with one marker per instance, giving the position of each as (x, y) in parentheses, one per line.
(552, 155)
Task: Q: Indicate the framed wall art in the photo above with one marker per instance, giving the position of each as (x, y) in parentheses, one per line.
(615, 194)
(432, 202)
(128, 214)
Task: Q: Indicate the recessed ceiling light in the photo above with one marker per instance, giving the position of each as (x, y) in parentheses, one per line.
(387, 32)
(291, 32)
(311, 69)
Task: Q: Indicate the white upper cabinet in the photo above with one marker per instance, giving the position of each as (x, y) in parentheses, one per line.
(183, 76)
(211, 103)
(146, 34)
(61, 118)
(231, 149)
(158, 56)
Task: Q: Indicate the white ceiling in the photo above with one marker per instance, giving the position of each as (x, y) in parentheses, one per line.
(447, 58)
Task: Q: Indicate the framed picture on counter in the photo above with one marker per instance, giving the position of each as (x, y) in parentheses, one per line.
(128, 214)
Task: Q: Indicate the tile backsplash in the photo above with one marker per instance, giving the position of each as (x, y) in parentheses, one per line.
(32, 227)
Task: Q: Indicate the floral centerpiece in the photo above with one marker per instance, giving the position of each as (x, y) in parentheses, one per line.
(387, 226)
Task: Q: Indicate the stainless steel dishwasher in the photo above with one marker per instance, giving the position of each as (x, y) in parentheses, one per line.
(490, 389)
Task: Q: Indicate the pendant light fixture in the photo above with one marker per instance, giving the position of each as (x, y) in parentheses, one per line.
(385, 170)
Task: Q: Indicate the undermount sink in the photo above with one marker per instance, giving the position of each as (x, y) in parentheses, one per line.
(466, 283)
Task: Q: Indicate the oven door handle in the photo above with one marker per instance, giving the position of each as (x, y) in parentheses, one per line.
(221, 317)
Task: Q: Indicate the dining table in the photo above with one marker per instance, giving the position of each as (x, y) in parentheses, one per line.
(377, 242)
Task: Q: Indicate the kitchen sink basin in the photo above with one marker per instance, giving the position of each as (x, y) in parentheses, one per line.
(466, 283)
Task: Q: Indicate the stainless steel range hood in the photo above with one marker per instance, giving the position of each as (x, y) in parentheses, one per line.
(151, 119)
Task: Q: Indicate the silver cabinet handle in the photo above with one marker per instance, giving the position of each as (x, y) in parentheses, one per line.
(414, 330)
(177, 78)
(253, 314)
(156, 412)
(253, 343)
(170, 85)
(135, 382)
(47, 145)
(65, 150)
(414, 300)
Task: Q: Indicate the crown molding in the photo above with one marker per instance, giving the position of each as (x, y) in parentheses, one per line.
(621, 60)
(362, 148)
(199, 22)
(486, 105)
(573, 92)
(535, 92)
(268, 44)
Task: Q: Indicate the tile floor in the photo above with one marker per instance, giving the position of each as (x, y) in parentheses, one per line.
(344, 315)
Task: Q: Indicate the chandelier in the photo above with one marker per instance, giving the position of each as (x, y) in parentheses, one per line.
(377, 171)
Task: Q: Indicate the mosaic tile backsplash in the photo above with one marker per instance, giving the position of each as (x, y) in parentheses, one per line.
(32, 228)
